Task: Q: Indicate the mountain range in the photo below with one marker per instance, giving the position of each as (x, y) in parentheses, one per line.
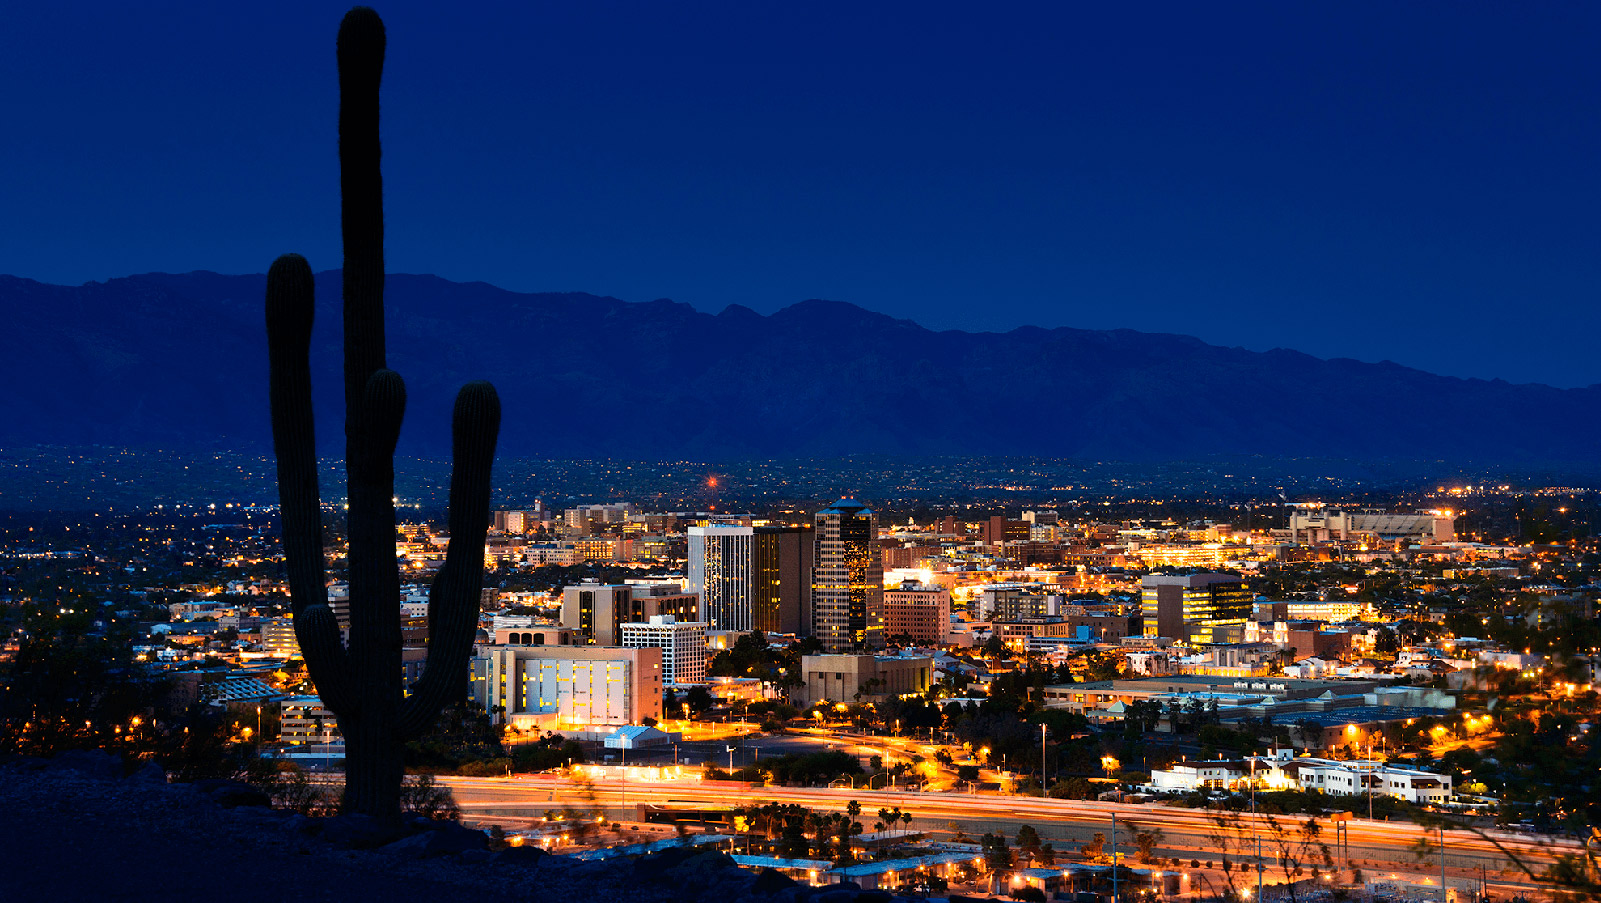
(179, 360)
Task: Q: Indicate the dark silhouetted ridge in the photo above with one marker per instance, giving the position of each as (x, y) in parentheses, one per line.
(131, 361)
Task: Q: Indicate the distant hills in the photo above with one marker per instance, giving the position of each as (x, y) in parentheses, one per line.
(180, 361)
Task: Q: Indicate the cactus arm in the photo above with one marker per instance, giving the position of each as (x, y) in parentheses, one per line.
(290, 308)
(453, 603)
(317, 631)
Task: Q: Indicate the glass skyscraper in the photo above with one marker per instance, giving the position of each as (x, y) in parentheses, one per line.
(847, 579)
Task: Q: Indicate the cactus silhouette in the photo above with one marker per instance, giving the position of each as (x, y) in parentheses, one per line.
(362, 684)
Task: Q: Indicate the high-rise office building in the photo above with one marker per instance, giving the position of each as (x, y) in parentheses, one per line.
(597, 613)
(847, 579)
(783, 580)
(722, 571)
(683, 646)
(1195, 608)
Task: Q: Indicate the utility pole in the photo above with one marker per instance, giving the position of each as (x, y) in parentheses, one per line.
(1370, 779)
(1114, 858)
(1443, 894)
(1260, 868)
(1253, 789)
(1042, 760)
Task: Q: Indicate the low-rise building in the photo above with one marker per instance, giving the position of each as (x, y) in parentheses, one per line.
(918, 612)
(578, 686)
(543, 553)
(864, 678)
(1355, 777)
(278, 638)
(1282, 770)
(533, 635)
(1187, 777)
(304, 720)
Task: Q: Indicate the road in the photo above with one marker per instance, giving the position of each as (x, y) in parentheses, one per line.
(1374, 846)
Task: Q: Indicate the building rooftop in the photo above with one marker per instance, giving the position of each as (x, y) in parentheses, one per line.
(1362, 714)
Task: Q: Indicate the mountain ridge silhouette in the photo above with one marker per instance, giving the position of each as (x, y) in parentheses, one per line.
(171, 359)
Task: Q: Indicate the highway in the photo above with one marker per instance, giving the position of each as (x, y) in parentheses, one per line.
(1374, 846)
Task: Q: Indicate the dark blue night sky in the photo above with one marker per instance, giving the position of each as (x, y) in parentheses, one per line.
(1416, 182)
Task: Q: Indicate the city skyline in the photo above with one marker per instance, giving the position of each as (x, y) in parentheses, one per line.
(712, 588)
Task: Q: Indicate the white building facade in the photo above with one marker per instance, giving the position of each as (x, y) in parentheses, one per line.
(571, 686)
(1282, 771)
(683, 646)
(722, 570)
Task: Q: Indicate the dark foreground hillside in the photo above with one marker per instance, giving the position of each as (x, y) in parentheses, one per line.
(76, 829)
(68, 837)
(72, 836)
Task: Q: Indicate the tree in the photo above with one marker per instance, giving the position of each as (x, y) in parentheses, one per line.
(997, 855)
(1296, 849)
(699, 699)
(792, 836)
(1145, 843)
(362, 685)
(1028, 839)
(1291, 848)
(1074, 788)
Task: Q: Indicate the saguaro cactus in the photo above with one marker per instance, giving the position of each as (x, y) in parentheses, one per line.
(362, 684)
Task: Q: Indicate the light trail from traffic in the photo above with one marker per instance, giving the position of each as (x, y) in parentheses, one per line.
(1187, 834)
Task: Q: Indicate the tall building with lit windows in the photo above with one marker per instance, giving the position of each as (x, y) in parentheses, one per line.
(1196, 608)
(721, 570)
(683, 646)
(847, 579)
(783, 580)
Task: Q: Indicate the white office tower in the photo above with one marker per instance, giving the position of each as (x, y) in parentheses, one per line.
(683, 646)
(722, 569)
